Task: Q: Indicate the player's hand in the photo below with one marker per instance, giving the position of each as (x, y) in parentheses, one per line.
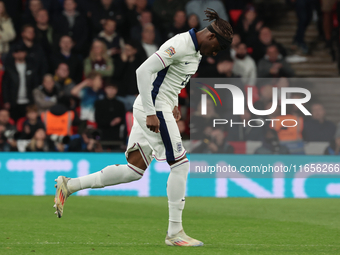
(152, 122)
(176, 113)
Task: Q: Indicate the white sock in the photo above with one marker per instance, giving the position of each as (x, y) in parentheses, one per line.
(176, 192)
(110, 175)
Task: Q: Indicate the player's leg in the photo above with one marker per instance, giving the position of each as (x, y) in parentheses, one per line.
(111, 175)
(173, 152)
(176, 193)
(138, 157)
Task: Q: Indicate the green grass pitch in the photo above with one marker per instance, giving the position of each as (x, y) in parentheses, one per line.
(132, 225)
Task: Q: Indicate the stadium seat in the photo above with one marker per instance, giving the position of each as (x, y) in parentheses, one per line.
(235, 15)
(12, 122)
(129, 122)
(239, 147)
(20, 124)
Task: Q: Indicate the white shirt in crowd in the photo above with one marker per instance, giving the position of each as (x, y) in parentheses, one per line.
(22, 91)
(149, 49)
(246, 68)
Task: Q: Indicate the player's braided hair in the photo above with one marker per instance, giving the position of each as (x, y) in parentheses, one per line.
(221, 26)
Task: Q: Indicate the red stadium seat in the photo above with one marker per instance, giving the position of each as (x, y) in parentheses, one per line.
(239, 147)
(129, 122)
(20, 124)
(11, 121)
(235, 15)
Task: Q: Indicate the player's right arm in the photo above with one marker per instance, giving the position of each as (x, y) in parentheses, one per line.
(155, 63)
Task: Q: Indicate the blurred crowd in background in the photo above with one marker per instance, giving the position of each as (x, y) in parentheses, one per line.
(68, 67)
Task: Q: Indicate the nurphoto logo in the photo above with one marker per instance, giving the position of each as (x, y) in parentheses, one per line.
(239, 104)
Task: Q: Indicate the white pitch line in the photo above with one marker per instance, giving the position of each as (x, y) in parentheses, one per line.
(225, 244)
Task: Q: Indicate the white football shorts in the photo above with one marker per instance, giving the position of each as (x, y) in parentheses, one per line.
(164, 146)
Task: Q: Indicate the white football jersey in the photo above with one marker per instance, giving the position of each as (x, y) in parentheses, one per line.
(180, 57)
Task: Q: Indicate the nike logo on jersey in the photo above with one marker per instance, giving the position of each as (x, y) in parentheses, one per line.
(187, 63)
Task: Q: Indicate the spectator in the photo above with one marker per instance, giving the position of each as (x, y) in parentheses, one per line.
(19, 80)
(304, 13)
(14, 10)
(166, 10)
(32, 123)
(110, 37)
(99, 60)
(148, 39)
(137, 30)
(89, 91)
(58, 120)
(31, 12)
(199, 6)
(50, 5)
(292, 133)
(193, 21)
(4, 145)
(63, 81)
(7, 131)
(318, 128)
(240, 133)
(70, 22)
(236, 41)
(7, 32)
(5, 119)
(223, 69)
(334, 147)
(265, 39)
(46, 95)
(130, 59)
(266, 99)
(273, 65)
(65, 55)
(45, 33)
(244, 65)
(104, 10)
(34, 50)
(216, 143)
(271, 144)
(87, 141)
(179, 24)
(326, 8)
(110, 114)
(130, 17)
(200, 125)
(249, 25)
(141, 6)
(40, 142)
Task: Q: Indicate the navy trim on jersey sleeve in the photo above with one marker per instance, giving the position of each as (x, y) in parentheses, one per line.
(157, 83)
(192, 33)
(169, 152)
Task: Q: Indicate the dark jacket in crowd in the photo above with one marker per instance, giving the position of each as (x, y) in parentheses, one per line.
(48, 40)
(74, 63)
(238, 133)
(36, 55)
(79, 31)
(126, 73)
(29, 130)
(99, 13)
(11, 82)
(260, 50)
(249, 36)
(264, 66)
(314, 131)
(106, 111)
